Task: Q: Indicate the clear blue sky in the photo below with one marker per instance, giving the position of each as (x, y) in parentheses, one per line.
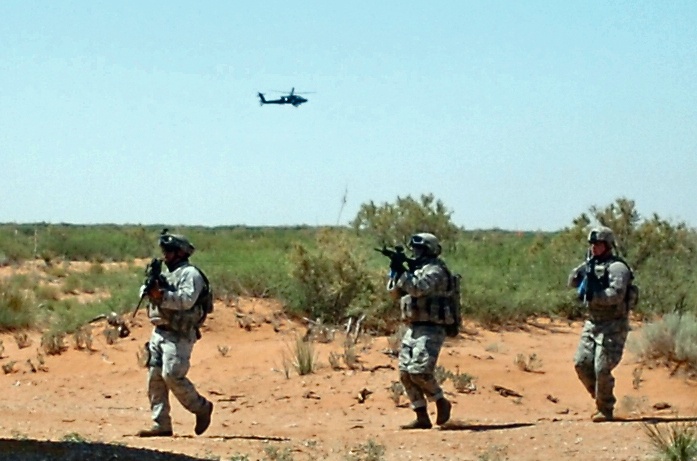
(517, 115)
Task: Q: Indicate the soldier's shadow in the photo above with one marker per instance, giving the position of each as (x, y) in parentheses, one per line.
(455, 425)
(656, 419)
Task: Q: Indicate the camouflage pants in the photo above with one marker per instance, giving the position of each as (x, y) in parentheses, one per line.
(170, 355)
(417, 361)
(599, 352)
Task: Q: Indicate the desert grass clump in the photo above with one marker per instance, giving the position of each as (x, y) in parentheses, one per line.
(110, 335)
(302, 357)
(368, 451)
(22, 339)
(676, 442)
(335, 361)
(396, 390)
(463, 382)
(82, 338)
(223, 350)
(52, 342)
(74, 437)
(9, 367)
(531, 364)
(636, 377)
(278, 454)
(494, 453)
(41, 360)
(350, 355)
(441, 374)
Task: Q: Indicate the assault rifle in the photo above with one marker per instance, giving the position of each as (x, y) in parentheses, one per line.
(153, 278)
(590, 283)
(397, 257)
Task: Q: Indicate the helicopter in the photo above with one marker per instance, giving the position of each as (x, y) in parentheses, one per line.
(292, 98)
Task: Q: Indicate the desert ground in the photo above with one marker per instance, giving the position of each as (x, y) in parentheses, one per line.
(265, 410)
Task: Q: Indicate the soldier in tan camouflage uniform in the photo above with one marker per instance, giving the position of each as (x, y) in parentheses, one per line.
(602, 283)
(426, 309)
(175, 313)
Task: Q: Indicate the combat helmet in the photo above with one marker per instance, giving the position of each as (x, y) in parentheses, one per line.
(602, 234)
(175, 242)
(427, 241)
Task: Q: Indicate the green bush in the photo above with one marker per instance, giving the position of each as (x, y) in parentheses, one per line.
(333, 273)
(334, 281)
(16, 306)
(395, 223)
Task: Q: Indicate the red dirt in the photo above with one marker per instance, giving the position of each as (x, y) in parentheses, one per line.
(100, 396)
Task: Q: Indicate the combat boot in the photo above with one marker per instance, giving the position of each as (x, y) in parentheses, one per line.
(422, 420)
(203, 419)
(443, 406)
(601, 416)
(155, 431)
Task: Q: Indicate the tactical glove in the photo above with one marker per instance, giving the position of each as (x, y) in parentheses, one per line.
(155, 294)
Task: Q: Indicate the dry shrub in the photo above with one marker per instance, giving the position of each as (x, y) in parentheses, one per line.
(671, 341)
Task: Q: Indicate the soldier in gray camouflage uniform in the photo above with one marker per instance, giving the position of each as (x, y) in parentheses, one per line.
(426, 309)
(175, 313)
(602, 283)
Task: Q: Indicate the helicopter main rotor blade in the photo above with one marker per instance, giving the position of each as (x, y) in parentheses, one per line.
(295, 93)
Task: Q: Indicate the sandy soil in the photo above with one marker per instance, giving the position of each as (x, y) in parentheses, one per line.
(241, 364)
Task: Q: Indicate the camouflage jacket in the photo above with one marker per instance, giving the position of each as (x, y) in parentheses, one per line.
(608, 303)
(178, 310)
(426, 294)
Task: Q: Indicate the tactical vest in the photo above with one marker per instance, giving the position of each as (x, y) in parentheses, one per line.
(436, 308)
(620, 310)
(182, 321)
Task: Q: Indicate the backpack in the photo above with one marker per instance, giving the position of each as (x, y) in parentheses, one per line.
(453, 329)
(205, 299)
